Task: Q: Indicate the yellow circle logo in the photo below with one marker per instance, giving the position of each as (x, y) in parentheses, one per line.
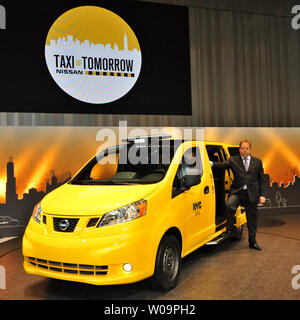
(93, 54)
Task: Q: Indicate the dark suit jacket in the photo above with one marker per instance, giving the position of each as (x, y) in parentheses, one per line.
(253, 178)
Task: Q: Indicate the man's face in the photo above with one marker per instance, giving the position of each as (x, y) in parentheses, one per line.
(245, 149)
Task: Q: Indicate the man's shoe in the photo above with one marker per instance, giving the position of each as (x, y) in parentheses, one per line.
(255, 246)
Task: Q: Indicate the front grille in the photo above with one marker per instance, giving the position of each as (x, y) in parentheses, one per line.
(71, 268)
(60, 223)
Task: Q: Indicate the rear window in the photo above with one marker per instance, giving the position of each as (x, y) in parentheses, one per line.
(233, 151)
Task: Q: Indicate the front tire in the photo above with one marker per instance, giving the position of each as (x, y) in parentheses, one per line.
(167, 264)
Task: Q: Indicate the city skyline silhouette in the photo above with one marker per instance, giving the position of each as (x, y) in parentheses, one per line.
(21, 209)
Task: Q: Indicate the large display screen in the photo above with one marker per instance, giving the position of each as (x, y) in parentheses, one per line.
(102, 57)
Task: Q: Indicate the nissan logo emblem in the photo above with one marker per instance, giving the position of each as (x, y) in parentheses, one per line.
(64, 224)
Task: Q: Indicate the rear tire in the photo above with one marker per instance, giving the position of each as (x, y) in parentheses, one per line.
(167, 264)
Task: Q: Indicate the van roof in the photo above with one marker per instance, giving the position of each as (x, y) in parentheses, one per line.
(156, 138)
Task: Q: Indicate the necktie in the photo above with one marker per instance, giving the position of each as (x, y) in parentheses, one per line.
(246, 164)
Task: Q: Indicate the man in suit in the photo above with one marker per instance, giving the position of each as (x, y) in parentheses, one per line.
(247, 189)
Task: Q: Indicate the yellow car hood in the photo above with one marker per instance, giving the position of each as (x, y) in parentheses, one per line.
(83, 200)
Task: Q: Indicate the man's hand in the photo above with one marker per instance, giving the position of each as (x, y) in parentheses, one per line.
(262, 199)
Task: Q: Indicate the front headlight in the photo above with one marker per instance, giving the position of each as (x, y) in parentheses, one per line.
(124, 214)
(37, 213)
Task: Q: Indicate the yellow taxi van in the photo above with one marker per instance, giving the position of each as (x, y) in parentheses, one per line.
(132, 212)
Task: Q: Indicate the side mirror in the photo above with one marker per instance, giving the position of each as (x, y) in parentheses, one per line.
(191, 180)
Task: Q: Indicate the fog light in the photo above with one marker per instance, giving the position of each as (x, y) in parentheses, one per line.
(127, 267)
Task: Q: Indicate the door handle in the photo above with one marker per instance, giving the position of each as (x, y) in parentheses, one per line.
(206, 190)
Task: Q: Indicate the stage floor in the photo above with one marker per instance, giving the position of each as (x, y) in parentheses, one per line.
(229, 270)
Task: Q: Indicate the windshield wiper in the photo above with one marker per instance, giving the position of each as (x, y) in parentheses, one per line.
(124, 182)
(94, 182)
(105, 182)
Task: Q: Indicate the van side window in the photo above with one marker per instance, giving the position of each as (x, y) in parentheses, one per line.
(216, 153)
(224, 155)
(190, 163)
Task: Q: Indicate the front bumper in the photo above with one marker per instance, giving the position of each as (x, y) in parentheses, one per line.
(95, 257)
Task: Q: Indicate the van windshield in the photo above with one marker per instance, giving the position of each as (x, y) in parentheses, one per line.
(128, 164)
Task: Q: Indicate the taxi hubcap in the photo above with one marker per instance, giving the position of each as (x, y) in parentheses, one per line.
(170, 263)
